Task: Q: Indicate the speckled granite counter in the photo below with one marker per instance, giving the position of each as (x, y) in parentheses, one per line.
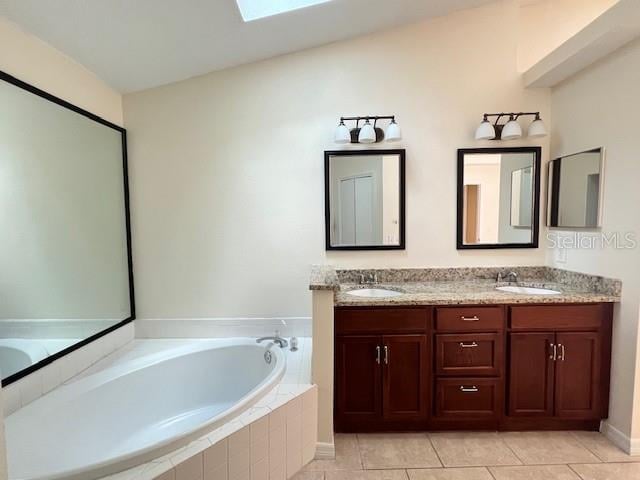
(464, 286)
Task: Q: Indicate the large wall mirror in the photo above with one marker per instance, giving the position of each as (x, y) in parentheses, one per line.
(66, 266)
(364, 199)
(575, 190)
(498, 197)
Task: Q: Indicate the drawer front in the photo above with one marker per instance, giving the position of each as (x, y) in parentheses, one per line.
(470, 319)
(469, 354)
(381, 320)
(467, 397)
(557, 317)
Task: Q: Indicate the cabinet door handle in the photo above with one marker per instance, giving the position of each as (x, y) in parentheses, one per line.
(378, 354)
(386, 355)
(470, 319)
(554, 352)
(472, 389)
(561, 351)
(468, 345)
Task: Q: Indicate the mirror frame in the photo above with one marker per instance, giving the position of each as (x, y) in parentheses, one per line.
(537, 153)
(327, 199)
(127, 212)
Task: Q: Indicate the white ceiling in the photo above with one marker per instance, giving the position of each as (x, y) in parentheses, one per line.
(138, 44)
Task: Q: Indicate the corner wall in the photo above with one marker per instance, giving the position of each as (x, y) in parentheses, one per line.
(598, 107)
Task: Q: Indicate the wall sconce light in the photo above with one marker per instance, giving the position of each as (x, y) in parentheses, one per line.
(368, 133)
(510, 130)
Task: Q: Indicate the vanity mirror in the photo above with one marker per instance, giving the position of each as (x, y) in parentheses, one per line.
(64, 215)
(364, 199)
(498, 197)
(575, 190)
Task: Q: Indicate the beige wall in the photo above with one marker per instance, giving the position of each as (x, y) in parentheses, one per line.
(227, 168)
(597, 108)
(546, 24)
(30, 59)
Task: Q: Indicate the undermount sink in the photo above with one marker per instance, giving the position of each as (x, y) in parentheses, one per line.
(528, 290)
(374, 292)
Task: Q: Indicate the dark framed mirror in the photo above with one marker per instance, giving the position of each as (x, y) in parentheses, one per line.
(498, 198)
(67, 276)
(364, 199)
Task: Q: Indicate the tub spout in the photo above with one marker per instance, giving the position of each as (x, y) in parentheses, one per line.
(282, 342)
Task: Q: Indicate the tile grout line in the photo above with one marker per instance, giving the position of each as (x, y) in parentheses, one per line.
(576, 472)
(510, 449)
(435, 450)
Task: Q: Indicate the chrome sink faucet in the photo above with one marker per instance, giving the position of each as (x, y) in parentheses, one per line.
(282, 342)
(369, 278)
(511, 277)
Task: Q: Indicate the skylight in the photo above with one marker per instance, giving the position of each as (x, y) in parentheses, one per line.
(255, 9)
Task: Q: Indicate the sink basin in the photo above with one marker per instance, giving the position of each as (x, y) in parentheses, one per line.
(528, 290)
(374, 292)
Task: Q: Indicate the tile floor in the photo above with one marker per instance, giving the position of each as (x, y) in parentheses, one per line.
(475, 456)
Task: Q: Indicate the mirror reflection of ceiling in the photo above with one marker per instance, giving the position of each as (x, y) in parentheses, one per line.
(164, 38)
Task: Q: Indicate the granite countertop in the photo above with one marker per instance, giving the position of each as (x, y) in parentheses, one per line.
(465, 286)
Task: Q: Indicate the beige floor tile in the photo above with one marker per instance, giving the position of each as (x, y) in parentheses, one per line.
(367, 475)
(309, 476)
(472, 449)
(347, 456)
(609, 471)
(397, 451)
(547, 448)
(473, 473)
(537, 472)
(602, 447)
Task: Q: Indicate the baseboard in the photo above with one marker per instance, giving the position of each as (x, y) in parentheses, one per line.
(325, 451)
(222, 327)
(627, 444)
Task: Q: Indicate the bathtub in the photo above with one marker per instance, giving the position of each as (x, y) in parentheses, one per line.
(19, 353)
(134, 411)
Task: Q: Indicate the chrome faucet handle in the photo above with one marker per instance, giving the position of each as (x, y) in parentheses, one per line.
(362, 280)
(499, 278)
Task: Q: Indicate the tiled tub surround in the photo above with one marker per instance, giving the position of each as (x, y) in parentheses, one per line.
(465, 286)
(42, 381)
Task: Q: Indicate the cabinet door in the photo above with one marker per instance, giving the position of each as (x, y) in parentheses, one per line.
(577, 375)
(531, 374)
(406, 377)
(358, 377)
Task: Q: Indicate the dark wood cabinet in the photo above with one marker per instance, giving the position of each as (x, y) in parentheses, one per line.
(519, 367)
(531, 374)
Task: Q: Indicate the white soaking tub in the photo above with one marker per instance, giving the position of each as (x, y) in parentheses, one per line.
(132, 412)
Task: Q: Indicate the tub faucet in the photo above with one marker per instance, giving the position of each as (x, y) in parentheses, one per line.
(282, 342)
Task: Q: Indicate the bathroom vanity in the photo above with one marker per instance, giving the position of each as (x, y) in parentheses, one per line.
(457, 354)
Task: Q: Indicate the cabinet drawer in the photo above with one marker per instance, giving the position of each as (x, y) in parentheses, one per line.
(467, 397)
(469, 319)
(556, 317)
(381, 320)
(469, 354)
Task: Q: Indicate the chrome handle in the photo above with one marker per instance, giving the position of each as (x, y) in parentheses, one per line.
(554, 352)
(468, 345)
(378, 354)
(386, 355)
(470, 319)
(471, 389)
(561, 351)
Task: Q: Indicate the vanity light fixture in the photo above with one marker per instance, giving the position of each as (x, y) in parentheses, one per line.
(368, 133)
(510, 130)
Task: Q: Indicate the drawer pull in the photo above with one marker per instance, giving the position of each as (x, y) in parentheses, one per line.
(386, 355)
(561, 351)
(472, 389)
(468, 345)
(470, 319)
(378, 354)
(554, 352)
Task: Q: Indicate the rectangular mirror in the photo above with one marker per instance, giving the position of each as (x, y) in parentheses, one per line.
(498, 197)
(64, 215)
(364, 200)
(575, 190)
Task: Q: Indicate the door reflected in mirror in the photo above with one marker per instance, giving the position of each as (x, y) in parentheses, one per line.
(364, 199)
(498, 197)
(575, 190)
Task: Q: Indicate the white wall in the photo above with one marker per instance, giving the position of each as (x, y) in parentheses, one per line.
(597, 108)
(227, 168)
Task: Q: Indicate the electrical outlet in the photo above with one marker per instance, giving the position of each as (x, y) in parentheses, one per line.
(560, 255)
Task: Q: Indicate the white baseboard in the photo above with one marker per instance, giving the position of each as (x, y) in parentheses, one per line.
(627, 444)
(222, 327)
(325, 451)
